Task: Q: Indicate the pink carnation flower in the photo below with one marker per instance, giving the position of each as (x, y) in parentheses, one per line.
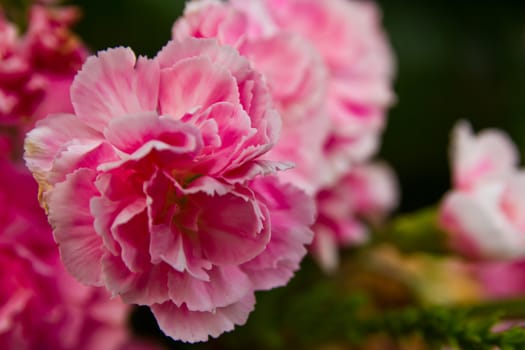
(41, 306)
(484, 212)
(369, 191)
(292, 67)
(349, 38)
(36, 69)
(155, 188)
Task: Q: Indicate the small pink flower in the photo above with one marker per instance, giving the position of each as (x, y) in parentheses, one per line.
(293, 69)
(484, 212)
(367, 192)
(36, 69)
(41, 306)
(156, 191)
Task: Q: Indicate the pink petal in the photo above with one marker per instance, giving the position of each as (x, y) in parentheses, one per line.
(220, 55)
(47, 140)
(167, 219)
(130, 132)
(195, 84)
(130, 230)
(143, 288)
(292, 213)
(476, 158)
(113, 84)
(78, 155)
(252, 169)
(232, 129)
(227, 285)
(195, 326)
(80, 246)
(236, 233)
(478, 226)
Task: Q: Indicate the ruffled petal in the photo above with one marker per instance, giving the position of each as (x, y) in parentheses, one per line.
(292, 213)
(490, 155)
(226, 285)
(195, 84)
(44, 143)
(195, 326)
(81, 248)
(236, 233)
(113, 84)
(143, 288)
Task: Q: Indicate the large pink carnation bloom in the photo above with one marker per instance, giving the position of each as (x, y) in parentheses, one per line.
(368, 192)
(36, 69)
(349, 38)
(155, 190)
(485, 211)
(293, 69)
(41, 306)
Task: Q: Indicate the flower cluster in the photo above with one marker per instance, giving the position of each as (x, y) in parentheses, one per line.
(169, 184)
(191, 180)
(37, 68)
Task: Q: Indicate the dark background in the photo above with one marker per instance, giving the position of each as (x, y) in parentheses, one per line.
(456, 59)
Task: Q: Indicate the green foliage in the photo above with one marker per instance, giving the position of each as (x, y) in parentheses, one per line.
(322, 316)
(414, 232)
(16, 11)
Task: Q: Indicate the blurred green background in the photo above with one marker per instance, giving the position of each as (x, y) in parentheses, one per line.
(456, 60)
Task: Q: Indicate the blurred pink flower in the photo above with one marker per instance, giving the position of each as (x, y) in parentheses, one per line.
(293, 69)
(485, 211)
(41, 306)
(370, 192)
(36, 69)
(156, 191)
(349, 38)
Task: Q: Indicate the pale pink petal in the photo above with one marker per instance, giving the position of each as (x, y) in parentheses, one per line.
(195, 84)
(47, 140)
(478, 226)
(196, 326)
(224, 141)
(489, 155)
(80, 154)
(294, 73)
(252, 169)
(226, 285)
(80, 246)
(513, 200)
(211, 19)
(221, 56)
(130, 132)
(113, 84)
